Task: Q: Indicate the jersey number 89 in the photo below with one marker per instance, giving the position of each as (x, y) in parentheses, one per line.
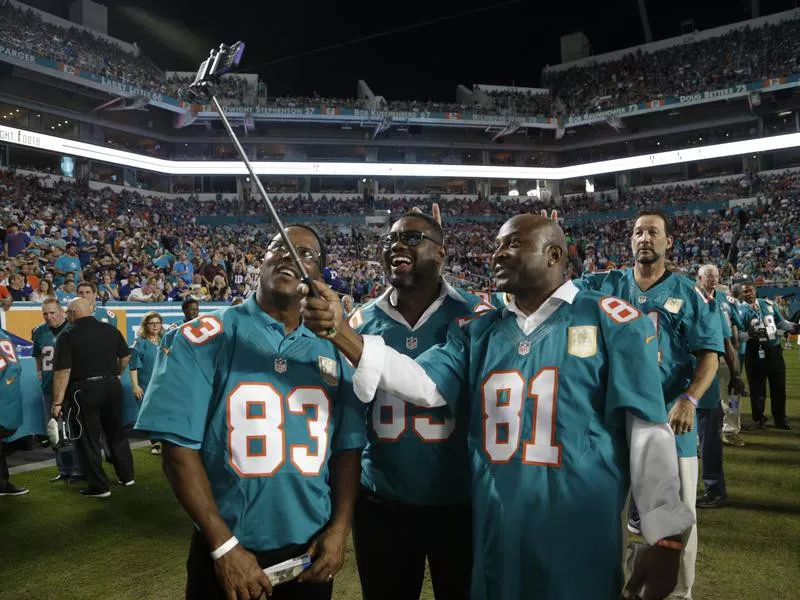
(504, 396)
(256, 439)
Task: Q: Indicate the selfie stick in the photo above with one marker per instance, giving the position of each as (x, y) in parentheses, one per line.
(220, 61)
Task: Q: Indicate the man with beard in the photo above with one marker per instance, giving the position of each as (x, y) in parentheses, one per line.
(261, 436)
(689, 341)
(414, 469)
(561, 411)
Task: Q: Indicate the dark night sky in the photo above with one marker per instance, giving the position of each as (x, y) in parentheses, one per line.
(506, 44)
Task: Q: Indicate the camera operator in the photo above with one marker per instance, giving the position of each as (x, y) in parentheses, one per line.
(88, 361)
(764, 356)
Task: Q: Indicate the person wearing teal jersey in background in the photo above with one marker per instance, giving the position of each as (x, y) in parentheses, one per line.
(732, 419)
(262, 436)
(689, 340)
(143, 358)
(562, 419)
(88, 290)
(10, 407)
(44, 337)
(415, 481)
(709, 408)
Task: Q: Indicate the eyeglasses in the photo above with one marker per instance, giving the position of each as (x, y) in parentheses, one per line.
(151, 323)
(307, 255)
(409, 238)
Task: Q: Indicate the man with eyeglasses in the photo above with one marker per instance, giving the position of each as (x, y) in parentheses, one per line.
(414, 469)
(261, 436)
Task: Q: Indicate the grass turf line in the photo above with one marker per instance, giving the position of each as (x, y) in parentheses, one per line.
(133, 546)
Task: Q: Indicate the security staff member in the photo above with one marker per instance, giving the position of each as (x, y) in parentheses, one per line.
(89, 358)
(764, 356)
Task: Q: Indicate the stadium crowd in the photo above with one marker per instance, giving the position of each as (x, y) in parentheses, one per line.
(740, 56)
(146, 249)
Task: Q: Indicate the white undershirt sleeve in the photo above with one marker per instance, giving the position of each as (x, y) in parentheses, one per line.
(655, 483)
(394, 373)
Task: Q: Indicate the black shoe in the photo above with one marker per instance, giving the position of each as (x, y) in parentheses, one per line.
(59, 477)
(9, 489)
(785, 426)
(709, 500)
(93, 493)
(73, 479)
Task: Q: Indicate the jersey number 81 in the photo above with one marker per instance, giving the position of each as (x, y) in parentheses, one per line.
(503, 405)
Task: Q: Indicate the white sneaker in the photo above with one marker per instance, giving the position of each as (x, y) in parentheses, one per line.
(126, 483)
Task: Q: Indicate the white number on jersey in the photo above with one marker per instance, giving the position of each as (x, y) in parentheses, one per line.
(390, 420)
(202, 330)
(7, 350)
(48, 352)
(503, 402)
(256, 442)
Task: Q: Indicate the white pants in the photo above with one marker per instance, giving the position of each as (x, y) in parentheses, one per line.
(732, 416)
(688, 471)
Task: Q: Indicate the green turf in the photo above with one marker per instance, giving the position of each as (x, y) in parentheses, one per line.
(133, 545)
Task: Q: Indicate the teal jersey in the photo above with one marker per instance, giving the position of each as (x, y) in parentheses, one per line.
(763, 314)
(265, 409)
(10, 384)
(494, 299)
(415, 455)
(685, 323)
(731, 308)
(105, 315)
(711, 399)
(143, 359)
(547, 442)
(44, 346)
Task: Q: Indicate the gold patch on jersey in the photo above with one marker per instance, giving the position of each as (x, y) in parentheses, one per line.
(328, 370)
(673, 305)
(582, 341)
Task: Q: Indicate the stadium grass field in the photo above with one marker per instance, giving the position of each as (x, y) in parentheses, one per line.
(54, 544)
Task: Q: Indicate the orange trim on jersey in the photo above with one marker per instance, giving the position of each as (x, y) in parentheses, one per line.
(8, 349)
(263, 439)
(429, 420)
(264, 416)
(357, 318)
(532, 442)
(485, 412)
(210, 331)
(619, 310)
(321, 450)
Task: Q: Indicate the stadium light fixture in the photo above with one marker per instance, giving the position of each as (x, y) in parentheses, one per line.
(59, 145)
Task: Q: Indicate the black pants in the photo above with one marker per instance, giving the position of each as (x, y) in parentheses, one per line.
(202, 582)
(392, 541)
(709, 431)
(773, 368)
(95, 407)
(4, 474)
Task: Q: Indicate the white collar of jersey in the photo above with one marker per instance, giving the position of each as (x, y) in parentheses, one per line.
(528, 323)
(388, 300)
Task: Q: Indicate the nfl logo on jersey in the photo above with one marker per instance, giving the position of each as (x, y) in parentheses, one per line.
(524, 348)
(280, 365)
(411, 343)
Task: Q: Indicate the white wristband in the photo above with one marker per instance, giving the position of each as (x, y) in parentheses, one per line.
(225, 548)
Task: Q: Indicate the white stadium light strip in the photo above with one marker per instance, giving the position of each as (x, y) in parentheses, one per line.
(201, 167)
